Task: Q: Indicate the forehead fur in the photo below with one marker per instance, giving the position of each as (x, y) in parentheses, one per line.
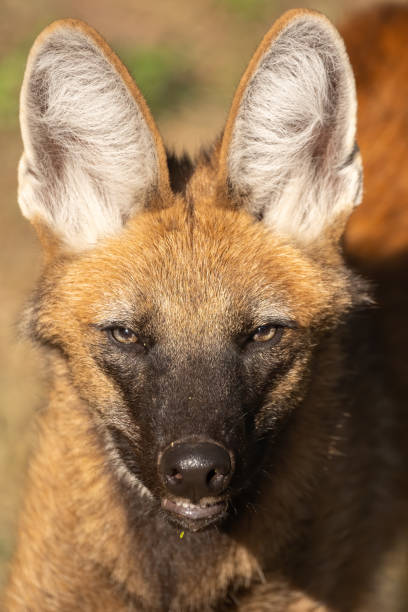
(192, 267)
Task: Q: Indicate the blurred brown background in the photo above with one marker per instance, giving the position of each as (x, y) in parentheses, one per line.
(187, 57)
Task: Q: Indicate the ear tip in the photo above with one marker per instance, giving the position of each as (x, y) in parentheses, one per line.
(64, 25)
(286, 25)
(316, 22)
(58, 26)
(306, 15)
(294, 13)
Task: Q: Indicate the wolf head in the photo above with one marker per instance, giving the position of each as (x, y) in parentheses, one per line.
(189, 318)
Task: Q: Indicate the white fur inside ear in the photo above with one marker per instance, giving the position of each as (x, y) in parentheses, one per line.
(90, 159)
(290, 157)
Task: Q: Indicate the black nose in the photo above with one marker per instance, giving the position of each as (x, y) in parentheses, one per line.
(195, 469)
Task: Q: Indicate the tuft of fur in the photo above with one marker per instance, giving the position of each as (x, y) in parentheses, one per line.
(291, 155)
(90, 160)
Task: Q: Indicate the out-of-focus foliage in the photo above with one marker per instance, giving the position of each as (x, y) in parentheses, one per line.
(163, 75)
(246, 9)
(11, 74)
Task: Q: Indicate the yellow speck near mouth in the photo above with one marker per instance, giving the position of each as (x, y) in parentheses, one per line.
(181, 535)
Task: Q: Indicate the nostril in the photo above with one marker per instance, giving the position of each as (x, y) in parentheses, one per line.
(211, 474)
(216, 481)
(174, 477)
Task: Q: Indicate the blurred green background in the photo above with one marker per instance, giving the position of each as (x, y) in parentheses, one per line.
(187, 57)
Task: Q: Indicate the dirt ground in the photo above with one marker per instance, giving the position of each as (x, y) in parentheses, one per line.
(216, 39)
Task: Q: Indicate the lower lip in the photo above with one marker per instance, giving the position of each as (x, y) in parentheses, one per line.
(192, 511)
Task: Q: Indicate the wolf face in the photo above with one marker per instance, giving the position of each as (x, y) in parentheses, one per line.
(192, 369)
(188, 318)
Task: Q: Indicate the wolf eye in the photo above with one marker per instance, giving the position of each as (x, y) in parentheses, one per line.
(266, 333)
(124, 335)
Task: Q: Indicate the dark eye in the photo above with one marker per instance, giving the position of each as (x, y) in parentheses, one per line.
(124, 335)
(267, 333)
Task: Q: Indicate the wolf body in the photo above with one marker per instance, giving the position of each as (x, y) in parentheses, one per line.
(220, 432)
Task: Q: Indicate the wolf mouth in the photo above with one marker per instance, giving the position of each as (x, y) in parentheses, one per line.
(195, 512)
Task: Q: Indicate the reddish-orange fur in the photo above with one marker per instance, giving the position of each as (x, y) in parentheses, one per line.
(79, 545)
(377, 234)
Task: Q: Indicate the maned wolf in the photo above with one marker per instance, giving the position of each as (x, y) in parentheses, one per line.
(221, 433)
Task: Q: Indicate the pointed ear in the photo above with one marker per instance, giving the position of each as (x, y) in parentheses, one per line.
(92, 153)
(288, 153)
